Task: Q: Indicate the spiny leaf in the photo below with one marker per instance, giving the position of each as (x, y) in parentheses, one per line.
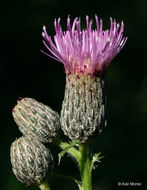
(72, 144)
(96, 158)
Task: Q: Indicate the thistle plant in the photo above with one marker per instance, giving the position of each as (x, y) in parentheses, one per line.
(86, 55)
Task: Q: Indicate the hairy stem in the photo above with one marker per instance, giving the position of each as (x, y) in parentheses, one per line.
(85, 167)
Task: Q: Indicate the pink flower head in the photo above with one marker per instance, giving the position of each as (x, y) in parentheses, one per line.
(85, 51)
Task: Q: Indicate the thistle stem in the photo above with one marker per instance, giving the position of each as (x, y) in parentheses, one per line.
(85, 167)
(44, 186)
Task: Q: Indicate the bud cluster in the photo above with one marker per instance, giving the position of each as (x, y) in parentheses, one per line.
(39, 124)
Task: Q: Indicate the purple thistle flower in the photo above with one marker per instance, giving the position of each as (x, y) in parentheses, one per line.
(85, 51)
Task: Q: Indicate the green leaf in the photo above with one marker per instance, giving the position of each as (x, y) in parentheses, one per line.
(96, 158)
(72, 144)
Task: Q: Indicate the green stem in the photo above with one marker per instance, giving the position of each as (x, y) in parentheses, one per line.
(85, 167)
(44, 186)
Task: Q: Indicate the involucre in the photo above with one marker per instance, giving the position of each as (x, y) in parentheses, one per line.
(83, 113)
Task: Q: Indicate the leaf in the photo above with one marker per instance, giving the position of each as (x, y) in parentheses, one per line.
(96, 158)
(72, 144)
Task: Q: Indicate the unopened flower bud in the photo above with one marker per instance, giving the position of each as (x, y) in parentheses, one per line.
(36, 120)
(83, 112)
(30, 160)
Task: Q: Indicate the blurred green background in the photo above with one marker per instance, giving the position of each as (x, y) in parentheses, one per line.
(26, 72)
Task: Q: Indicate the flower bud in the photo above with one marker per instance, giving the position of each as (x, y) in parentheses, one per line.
(36, 120)
(30, 160)
(83, 112)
